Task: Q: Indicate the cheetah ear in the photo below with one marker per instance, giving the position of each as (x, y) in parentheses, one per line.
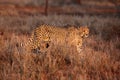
(82, 27)
(85, 26)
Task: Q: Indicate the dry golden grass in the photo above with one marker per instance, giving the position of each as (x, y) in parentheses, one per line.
(99, 60)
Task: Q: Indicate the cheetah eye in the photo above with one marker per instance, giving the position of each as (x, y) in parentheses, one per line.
(84, 31)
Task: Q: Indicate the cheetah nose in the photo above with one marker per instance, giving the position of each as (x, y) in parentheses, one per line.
(86, 35)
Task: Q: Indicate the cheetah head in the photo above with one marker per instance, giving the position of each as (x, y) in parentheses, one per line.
(83, 32)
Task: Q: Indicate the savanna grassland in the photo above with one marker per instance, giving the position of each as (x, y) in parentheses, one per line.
(99, 59)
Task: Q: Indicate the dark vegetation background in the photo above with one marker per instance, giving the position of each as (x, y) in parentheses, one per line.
(99, 60)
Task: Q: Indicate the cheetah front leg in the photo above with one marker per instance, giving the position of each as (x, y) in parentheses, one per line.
(79, 45)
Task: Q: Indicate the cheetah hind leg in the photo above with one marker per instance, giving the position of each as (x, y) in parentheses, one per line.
(42, 48)
(36, 50)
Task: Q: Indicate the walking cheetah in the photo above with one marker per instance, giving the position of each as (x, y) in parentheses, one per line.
(44, 35)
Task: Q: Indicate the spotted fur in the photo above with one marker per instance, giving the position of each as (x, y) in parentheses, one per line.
(45, 35)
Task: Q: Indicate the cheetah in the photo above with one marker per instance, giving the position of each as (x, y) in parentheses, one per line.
(43, 37)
